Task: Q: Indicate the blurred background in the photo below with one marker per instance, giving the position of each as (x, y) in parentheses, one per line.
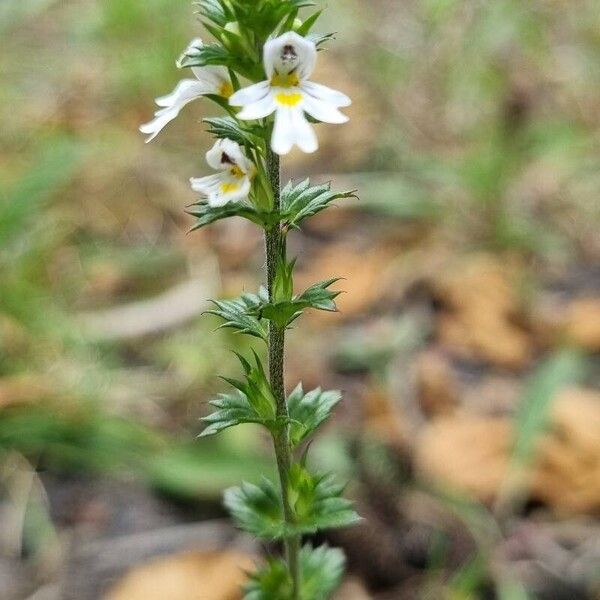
(467, 343)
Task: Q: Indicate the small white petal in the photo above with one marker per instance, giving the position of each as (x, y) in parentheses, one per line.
(250, 94)
(186, 91)
(282, 140)
(289, 53)
(323, 111)
(154, 127)
(322, 92)
(259, 109)
(239, 190)
(292, 128)
(305, 136)
(205, 185)
(212, 76)
(226, 154)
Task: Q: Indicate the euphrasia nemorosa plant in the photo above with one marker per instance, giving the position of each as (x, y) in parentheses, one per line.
(258, 70)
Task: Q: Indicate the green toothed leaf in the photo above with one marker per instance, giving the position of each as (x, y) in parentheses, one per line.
(229, 128)
(286, 312)
(303, 201)
(239, 314)
(321, 573)
(206, 214)
(252, 402)
(308, 411)
(216, 11)
(206, 55)
(315, 501)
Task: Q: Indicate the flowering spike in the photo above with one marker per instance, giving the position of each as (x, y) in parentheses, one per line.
(266, 118)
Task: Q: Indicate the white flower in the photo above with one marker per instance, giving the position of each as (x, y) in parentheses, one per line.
(289, 61)
(233, 181)
(209, 80)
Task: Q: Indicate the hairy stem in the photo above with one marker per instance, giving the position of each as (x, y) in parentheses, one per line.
(275, 248)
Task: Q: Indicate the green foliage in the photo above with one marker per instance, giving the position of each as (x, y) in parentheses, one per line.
(563, 369)
(285, 312)
(207, 214)
(240, 314)
(308, 411)
(315, 501)
(192, 471)
(244, 314)
(321, 573)
(283, 285)
(302, 201)
(216, 54)
(252, 402)
(230, 128)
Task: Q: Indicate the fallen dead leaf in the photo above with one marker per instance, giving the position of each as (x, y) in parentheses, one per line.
(23, 389)
(567, 471)
(582, 323)
(479, 305)
(437, 388)
(352, 589)
(365, 276)
(187, 576)
(472, 455)
(382, 417)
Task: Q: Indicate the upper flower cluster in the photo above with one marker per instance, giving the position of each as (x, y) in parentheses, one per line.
(289, 60)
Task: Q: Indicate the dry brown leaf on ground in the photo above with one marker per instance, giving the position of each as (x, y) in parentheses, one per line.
(352, 589)
(472, 455)
(576, 322)
(382, 417)
(187, 576)
(582, 323)
(479, 306)
(567, 471)
(23, 389)
(365, 274)
(437, 388)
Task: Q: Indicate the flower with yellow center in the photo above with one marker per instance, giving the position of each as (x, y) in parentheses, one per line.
(289, 61)
(209, 80)
(233, 181)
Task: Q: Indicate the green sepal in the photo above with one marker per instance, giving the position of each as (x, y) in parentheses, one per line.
(315, 501)
(252, 402)
(320, 39)
(321, 572)
(206, 55)
(239, 314)
(230, 128)
(303, 201)
(283, 285)
(219, 55)
(216, 11)
(308, 23)
(308, 411)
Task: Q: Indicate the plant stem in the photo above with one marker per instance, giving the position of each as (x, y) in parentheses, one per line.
(275, 248)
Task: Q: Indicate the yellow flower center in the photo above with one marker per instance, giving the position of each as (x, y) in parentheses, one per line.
(228, 187)
(226, 90)
(236, 172)
(288, 99)
(285, 81)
